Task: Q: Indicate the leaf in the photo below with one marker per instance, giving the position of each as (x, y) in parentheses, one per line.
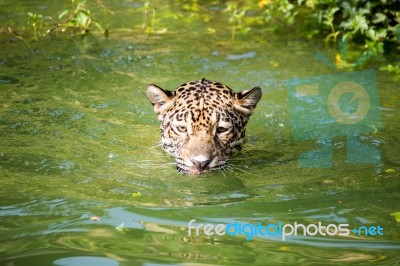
(136, 194)
(63, 13)
(381, 34)
(161, 31)
(100, 27)
(363, 11)
(333, 10)
(120, 227)
(362, 23)
(82, 19)
(396, 216)
(379, 17)
(211, 30)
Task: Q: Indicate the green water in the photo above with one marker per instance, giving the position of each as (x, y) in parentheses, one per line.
(78, 138)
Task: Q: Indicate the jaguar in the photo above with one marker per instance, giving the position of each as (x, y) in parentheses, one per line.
(202, 122)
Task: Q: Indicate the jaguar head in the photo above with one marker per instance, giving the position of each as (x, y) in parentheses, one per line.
(202, 122)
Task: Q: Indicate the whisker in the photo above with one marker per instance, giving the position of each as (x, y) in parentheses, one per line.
(235, 168)
(230, 168)
(223, 172)
(155, 146)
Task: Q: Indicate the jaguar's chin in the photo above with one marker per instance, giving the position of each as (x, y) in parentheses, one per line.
(191, 170)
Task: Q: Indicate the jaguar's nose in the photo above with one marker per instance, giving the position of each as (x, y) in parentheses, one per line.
(202, 165)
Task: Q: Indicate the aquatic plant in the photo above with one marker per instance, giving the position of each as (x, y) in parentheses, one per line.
(236, 20)
(77, 21)
(35, 21)
(150, 19)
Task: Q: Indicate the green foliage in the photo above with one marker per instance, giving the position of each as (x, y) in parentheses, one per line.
(372, 23)
(396, 216)
(77, 21)
(35, 20)
(236, 20)
(150, 17)
(282, 10)
(150, 21)
(370, 26)
(391, 69)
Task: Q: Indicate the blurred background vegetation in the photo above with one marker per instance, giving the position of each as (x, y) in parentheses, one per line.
(371, 27)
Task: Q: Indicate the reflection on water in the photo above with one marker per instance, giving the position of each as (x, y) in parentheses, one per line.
(79, 139)
(85, 260)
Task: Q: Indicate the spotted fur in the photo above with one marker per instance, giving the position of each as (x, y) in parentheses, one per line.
(202, 122)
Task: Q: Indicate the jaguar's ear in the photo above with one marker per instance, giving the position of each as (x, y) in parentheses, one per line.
(247, 100)
(161, 99)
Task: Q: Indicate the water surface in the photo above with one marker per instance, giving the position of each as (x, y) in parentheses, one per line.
(84, 181)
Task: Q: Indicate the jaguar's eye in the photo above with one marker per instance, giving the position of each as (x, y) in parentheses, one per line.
(181, 129)
(222, 129)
